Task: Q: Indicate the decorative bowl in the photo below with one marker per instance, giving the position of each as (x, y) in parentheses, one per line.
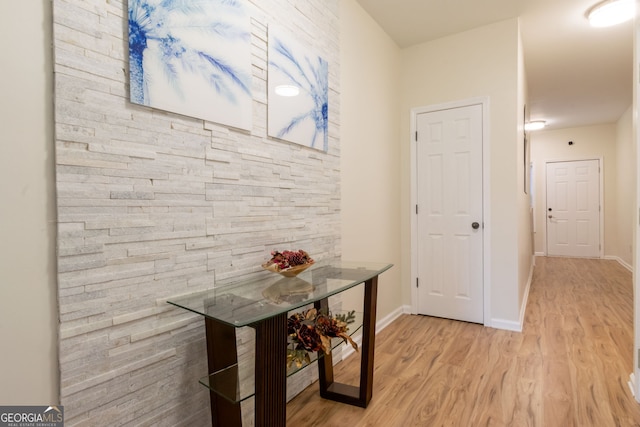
(288, 263)
(288, 272)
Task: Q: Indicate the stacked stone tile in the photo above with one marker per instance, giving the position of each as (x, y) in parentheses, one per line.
(153, 205)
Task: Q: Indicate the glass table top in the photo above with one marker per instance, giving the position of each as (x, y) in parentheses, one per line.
(249, 301)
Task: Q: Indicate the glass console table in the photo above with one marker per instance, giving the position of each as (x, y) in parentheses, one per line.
(263, 304)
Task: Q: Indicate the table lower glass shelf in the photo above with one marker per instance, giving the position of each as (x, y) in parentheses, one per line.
(234, 387)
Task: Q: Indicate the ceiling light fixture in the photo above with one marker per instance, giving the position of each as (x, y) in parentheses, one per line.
(287, 90)
(535, 125)
(611, 12)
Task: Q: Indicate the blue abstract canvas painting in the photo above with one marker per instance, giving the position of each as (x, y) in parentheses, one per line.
(192, 57)
(298, 85)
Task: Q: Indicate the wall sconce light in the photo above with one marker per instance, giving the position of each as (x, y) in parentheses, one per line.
(611, 12)
(535, 125)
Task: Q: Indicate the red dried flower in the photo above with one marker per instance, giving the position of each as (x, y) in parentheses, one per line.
(312, 331)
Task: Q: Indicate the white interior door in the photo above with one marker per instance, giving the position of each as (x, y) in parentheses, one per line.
(449, 213)
(573, 208)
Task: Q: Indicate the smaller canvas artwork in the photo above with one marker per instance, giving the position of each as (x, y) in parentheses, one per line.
(298, 82)
(192, 57)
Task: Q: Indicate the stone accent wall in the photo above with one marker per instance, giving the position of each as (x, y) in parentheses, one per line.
(153, 205)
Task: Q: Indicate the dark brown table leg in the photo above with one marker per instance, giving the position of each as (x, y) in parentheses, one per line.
(325, 363)
(368, 340)
(357, 396)
(222, 353)
(271, 372)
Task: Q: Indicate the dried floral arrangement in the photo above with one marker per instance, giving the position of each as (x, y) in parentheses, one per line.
(312, 330)
(288, 263)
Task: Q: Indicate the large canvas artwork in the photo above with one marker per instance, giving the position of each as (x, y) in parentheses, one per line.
(298, 82)
(192, 57)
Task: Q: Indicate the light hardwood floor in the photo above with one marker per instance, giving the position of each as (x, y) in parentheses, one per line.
(568, 368)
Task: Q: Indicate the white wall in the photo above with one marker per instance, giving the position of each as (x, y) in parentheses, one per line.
(589, 142)
(370, 155)
(625, 188)
(525, 220)
(28, 308)
(477, 63)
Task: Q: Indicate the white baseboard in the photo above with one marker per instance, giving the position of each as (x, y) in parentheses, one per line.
(510, 325)
(386, 320)
(347, 350)
(540, 254)
(525, 298)
(632, 385)
(620, 261)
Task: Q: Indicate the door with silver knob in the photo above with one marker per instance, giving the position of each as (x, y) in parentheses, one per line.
(573, 208)
(449, 238)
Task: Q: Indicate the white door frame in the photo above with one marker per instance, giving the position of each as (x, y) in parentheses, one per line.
(635, 375)
(486, 246)
(601, 214)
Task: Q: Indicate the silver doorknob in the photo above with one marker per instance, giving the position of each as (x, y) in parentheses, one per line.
(475, 225)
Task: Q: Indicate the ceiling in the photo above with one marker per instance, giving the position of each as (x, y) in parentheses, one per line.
(576, 75)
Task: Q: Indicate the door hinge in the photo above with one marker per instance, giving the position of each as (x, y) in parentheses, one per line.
(639, 358)
(416, 209)
(416, 135)
(417, 282)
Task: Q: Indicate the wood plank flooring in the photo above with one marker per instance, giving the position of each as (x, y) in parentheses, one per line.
(568, 368)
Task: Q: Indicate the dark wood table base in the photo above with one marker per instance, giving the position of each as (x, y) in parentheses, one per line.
(271, 365)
